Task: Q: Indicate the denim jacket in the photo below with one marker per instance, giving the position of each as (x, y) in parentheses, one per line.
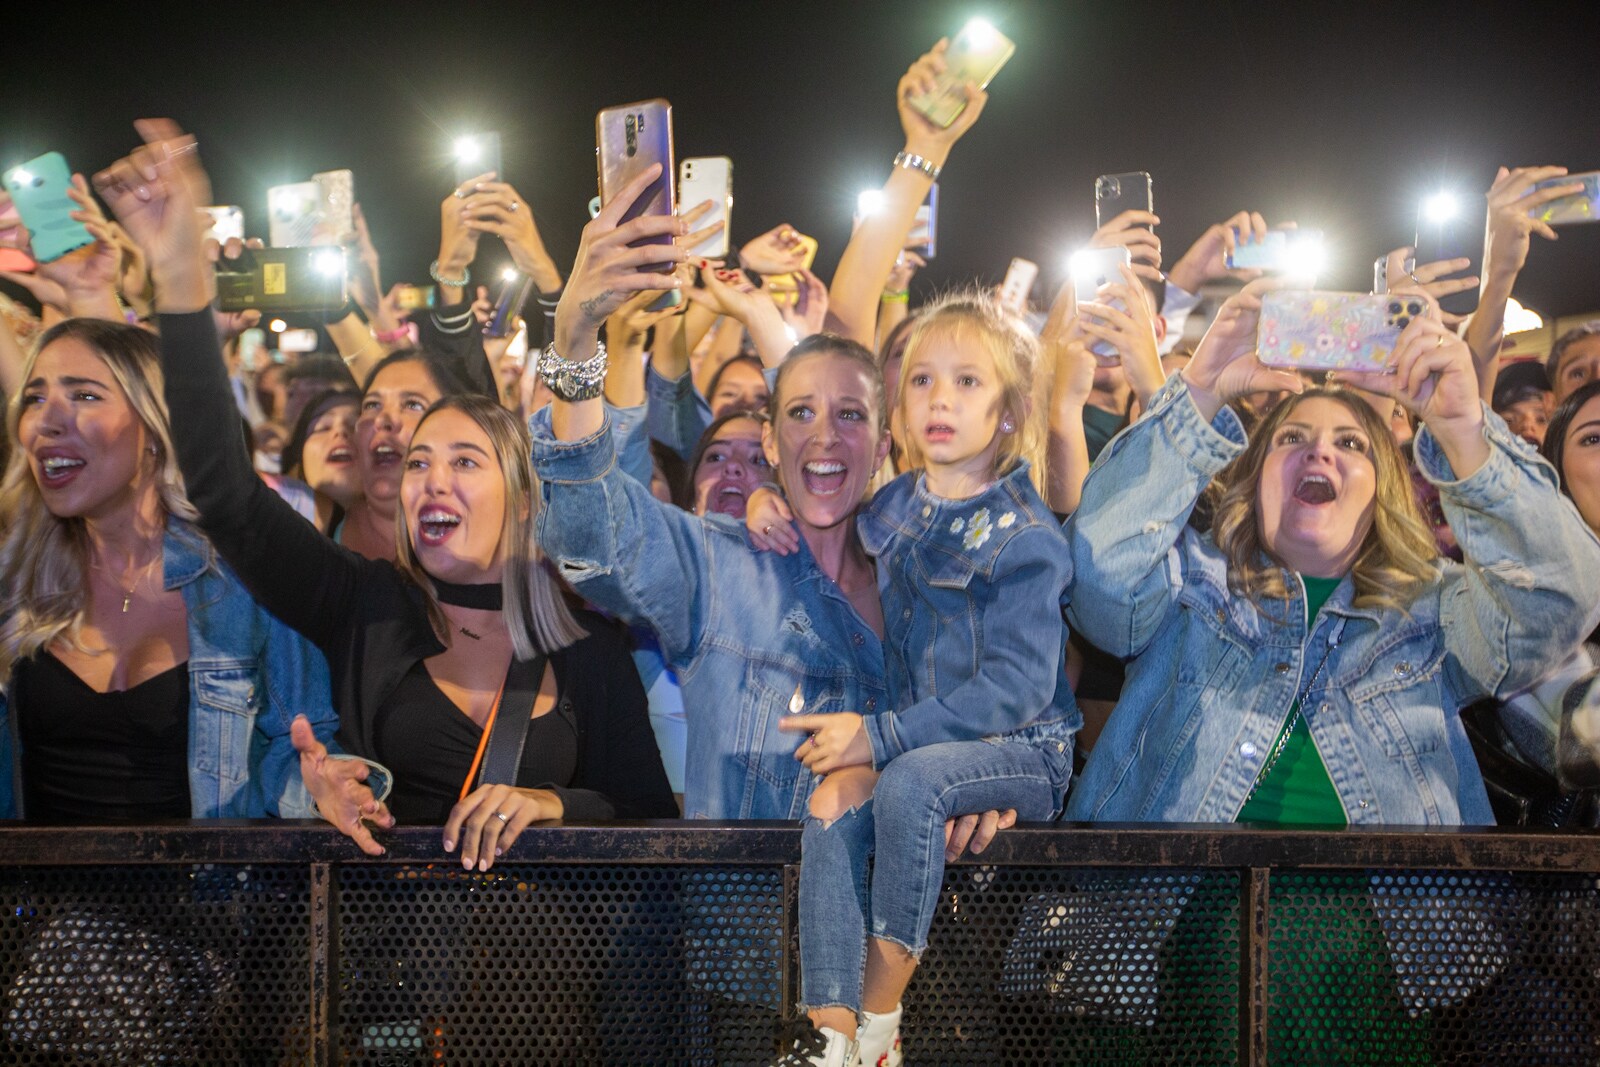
(751, 634)
(249, 676)
(972, 605)
(1213, 675)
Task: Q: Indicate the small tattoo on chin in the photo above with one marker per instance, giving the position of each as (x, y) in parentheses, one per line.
(469, 633)
(591, 307)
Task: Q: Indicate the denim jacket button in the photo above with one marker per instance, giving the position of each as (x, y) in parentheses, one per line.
(927, 509)
(1402, 668)
(1247, 750)
(1222, 616)
(872, 703)
(1281, 668)
(906, 614)
(1364, 804)
(858, 639)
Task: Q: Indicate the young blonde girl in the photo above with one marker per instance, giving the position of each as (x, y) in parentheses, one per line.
(971, 569)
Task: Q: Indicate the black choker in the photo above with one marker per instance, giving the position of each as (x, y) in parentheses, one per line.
(484, 597)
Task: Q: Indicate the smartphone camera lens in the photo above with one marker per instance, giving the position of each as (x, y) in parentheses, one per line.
(38, 182)
(1107, 188)
(1402, 322)
(1414, 308)
(1394, 307)
(630, 129)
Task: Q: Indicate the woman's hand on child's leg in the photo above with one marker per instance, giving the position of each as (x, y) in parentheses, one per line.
(842, 792)
(976, 831)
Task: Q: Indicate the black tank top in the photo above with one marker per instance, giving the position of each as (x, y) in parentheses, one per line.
(89, 757)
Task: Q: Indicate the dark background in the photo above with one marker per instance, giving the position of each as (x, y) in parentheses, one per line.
(1341, 116)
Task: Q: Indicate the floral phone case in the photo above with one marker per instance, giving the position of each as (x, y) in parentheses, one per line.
(1309, 330)
(1574, 207)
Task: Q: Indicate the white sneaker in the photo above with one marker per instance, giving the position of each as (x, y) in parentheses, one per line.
(879, 1038)
(837, 1051)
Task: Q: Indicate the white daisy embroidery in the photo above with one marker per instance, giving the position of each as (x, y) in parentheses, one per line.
(956, 525)
(1007, 520)
(978, 530)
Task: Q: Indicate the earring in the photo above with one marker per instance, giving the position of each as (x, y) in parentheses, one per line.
(1006, 427)
(155, 451)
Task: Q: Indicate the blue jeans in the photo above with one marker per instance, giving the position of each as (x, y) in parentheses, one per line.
(903, 824)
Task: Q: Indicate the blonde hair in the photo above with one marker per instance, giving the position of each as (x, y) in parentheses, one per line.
(1398, 557)
(972, 317)
(535, 614)
(44, 560)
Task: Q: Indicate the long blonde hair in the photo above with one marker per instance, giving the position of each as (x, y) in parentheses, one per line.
(974, 317)
(535, 614)
(44, 560)
(1398, 557)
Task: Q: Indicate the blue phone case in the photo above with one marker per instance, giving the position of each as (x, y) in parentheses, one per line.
(39, 189)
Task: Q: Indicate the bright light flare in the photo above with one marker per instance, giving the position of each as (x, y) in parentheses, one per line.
(1079, 264)
(1305, 258)
(980, 32)
(509, 274)
(467, 149)
(1441, 207)
(277, 325)
(869, 202)
(23, 175)
(329, 263)
(1521, 319)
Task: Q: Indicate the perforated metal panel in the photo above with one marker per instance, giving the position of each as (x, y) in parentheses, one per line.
(135, 965)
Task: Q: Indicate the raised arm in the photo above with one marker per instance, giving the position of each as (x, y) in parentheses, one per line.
(292, 570)
(858, 284)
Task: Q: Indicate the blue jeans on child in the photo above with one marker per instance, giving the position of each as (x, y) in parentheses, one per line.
(903, 824)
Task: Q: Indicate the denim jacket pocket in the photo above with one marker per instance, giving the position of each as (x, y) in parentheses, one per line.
(1402, 698)
(219, 739)
(946, 579)
(767, 692)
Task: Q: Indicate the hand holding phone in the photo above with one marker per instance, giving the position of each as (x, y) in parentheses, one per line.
(38, 190)
(12, 239)
(974, 57)
(701, 179)
(1313, 330)
(1297, 252)
(1092, 270)
(1527, 201)
(475, 154)
(629, 139)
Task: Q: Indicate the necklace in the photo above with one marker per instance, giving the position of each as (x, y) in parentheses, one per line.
(128, 591)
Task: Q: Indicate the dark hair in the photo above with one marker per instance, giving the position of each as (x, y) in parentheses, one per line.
(831, 344)
(328, 369)
(328, 398)
(684, 491)
(447, 377)
(1554, 448)
(716, 379)
(1552, 362)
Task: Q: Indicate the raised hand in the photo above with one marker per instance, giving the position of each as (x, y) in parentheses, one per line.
(1510, 226)
(1127, 230)
(1430, 279)
(923, 137)
(338, 786)
(778, 251)
(1206, 259)
(810, 310)
(1225, 364)
(157, 192)
(458, 241)
(495, 207)
(1130, 329)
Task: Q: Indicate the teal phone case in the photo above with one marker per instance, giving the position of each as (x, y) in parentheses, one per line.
(39, 190)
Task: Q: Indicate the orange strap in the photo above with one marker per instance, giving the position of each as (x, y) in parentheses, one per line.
(483, 743)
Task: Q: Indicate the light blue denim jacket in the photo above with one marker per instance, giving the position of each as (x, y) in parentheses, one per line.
(1213, 674)
(972, 603)
(744, 629)
(249, 676)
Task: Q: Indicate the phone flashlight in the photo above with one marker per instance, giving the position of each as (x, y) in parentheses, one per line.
(285, 200)
(22, 175)
(1305, 258)
(1440, 207)
(1078, 264)
(277, 325)
(509, 274)
(980, 32)
(329, 263)
(868, 202)
(467, 149)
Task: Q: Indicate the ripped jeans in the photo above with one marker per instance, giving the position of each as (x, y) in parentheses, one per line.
(903, 824)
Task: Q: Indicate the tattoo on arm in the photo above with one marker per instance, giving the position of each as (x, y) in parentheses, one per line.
(593, 308)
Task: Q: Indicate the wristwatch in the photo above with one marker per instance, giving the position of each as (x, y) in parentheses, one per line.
(571, 381)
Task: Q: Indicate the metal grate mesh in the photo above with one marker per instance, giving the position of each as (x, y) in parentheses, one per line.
(1433, 968)
(136, 965)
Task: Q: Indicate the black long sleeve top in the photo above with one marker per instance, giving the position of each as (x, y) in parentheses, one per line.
(369, 620)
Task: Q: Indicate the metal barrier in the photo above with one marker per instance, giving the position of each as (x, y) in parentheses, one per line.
(675, 943)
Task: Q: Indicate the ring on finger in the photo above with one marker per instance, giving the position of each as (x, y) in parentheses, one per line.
(460, 194)
(1413, 276)
(767, 529)
(502, 816)
(513, 205)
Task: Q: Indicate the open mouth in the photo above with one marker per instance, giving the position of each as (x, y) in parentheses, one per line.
(729, 498)
(385, 455)
(1315, 489)
(938, 433)
(823, 477)
(435, 525)
(58, 470)
(342, 454)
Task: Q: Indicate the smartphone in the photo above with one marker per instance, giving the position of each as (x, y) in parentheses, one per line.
(288, 280)
(513, 295)
(226, 221)
(976, 55)
(1020, 277)
(294, 214)
(416, 297)
(13, 259)
(924, 235)
(1116, 193)
(1310, 330)
(1380, 275)
(253, 347)
(337, 189)
(475, 154)
(785, 288)
(708, 178)
(1449, 235)
(1574, 207)
(628, 139)
(38, 190)
(1280, 252)
(297, 341)
(1092, 270)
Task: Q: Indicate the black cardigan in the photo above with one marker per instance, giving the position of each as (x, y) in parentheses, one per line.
(369, 620)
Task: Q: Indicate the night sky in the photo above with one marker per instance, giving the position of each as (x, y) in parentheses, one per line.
(1341, 116)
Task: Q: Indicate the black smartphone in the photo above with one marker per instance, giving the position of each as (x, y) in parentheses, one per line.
(285, 280)
(513, 294)
(1446, 230)
(475, 154)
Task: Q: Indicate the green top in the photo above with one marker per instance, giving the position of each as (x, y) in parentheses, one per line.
(1297, 790)
(1099, 427)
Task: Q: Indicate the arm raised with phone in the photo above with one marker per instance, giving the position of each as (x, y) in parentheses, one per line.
(869, 257)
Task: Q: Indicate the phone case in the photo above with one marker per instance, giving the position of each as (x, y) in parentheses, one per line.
(1310, 330)
(924, 235)
(976, 55)
(514, 294)
(338, 189)
(628, 139)
(1279, 250)
(1020, 277)
(1116, 193)
(708, 178)
(487, 159)
(294, 214)
(1574, 207)
(1093, 268)
(226, 221)
(38, 188)
(785, 288)
(287, 280)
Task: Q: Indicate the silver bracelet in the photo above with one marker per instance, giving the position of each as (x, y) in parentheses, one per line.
(454, 283)
(911, 162)
(571, 381)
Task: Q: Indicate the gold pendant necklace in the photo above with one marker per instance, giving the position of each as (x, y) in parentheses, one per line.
(127, 593)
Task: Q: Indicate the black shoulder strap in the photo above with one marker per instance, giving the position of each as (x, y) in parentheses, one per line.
(503, 754)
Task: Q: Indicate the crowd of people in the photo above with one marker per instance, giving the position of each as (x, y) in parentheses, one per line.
(827, 557)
